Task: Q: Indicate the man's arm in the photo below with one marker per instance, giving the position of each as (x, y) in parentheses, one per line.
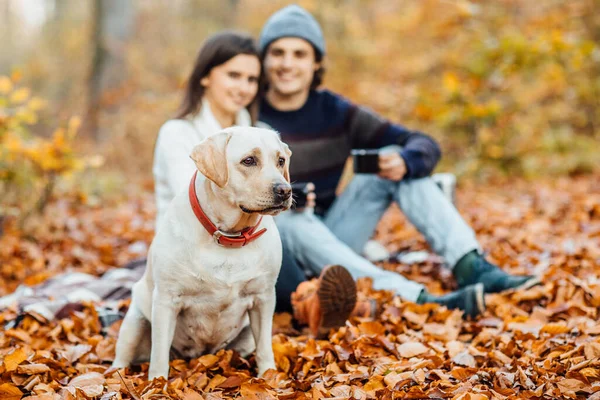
(420, 152)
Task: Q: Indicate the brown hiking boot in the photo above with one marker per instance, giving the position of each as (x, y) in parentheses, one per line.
(326, 302)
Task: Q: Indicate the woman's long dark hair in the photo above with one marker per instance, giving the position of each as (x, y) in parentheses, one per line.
(217, 50)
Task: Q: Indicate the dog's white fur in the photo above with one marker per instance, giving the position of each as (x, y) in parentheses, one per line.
(195, 296)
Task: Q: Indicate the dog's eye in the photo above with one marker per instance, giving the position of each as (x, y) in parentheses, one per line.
(249, 161)
(281, 161)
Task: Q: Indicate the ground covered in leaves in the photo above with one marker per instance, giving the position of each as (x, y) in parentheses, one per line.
(539, 343)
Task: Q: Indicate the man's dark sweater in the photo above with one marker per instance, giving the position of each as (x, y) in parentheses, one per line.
(327, 127)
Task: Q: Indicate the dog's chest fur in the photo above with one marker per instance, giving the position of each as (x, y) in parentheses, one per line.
(214, 303)
(212, 287)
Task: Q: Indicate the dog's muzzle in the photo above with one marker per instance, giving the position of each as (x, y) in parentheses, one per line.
(282, 191)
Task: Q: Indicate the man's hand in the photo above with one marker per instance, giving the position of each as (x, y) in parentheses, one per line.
(392, 166)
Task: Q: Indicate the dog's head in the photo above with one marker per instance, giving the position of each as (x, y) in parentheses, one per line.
(250, 165)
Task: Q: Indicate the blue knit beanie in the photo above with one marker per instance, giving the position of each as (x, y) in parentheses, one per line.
(292, 21)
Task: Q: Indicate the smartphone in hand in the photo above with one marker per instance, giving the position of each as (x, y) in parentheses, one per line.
(366, 161)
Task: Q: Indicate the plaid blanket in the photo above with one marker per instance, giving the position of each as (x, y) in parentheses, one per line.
(58, 296)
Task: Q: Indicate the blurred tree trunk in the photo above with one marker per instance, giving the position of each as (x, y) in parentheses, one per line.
(56, 32)
(6, 29)
(591, 21)
(232, 14)
(217, 14)
(112, 26)
(61, 8)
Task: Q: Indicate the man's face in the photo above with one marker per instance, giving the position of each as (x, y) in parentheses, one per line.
(290, 65)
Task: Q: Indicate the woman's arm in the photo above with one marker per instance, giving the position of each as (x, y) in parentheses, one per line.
(173, 166)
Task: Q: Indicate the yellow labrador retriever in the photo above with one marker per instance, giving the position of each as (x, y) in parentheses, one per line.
(212, 266)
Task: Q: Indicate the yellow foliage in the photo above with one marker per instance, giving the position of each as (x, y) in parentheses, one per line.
(16, 76)
(55, 155)
(423, 112)
(495, 151)
(557, 40)
(12, 144)
(32, 163)
(58, 138)
(26, 116)
(451, 82)
(505, 89)
(19, 96)
(485, 135)
(36, 104)
(73, 126)
(5, 85)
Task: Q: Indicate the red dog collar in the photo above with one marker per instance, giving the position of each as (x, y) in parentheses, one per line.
(236, 240)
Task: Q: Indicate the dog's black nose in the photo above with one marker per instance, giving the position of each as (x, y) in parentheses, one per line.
(282, 191)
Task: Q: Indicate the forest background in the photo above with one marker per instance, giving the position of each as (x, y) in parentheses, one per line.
(508, 87)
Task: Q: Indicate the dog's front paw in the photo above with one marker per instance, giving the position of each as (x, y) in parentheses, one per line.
(265, 367)
(158, 373)
(112, 369)
(116, 365)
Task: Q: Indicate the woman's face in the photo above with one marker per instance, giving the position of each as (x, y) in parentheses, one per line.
(231, 86)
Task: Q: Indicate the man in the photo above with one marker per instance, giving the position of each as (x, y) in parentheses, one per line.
(321, 128)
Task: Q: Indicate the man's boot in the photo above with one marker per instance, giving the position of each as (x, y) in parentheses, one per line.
(474, 268)
(326, 302)
(470, 299)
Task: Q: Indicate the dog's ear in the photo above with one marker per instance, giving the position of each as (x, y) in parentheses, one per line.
(286, 171)
(210, 158)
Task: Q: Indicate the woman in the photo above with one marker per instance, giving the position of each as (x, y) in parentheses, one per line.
(221, 92)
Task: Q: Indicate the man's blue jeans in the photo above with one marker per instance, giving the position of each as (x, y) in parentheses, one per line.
(340, 236)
